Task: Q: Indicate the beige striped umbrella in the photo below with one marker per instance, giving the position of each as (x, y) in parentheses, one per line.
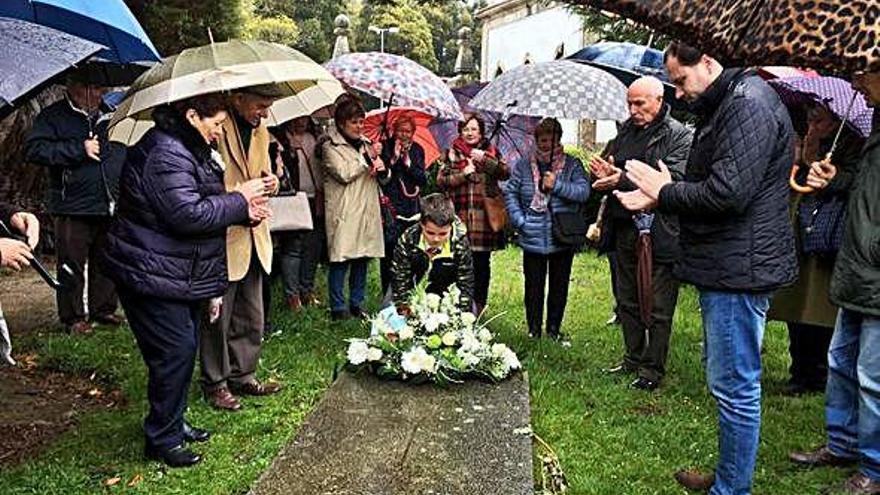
(213, 68)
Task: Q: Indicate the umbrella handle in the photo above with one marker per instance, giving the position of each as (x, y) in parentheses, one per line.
(792, 182)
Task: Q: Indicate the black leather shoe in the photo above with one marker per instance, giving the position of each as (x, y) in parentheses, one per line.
(339, 315)
(191, 434)
(642, 383)
(359, 313)
(178, 456)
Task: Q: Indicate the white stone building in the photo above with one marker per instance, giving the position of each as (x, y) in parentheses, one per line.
(516, 31)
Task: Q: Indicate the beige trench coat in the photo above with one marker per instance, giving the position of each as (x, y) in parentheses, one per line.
(240, 239)
(351, 199)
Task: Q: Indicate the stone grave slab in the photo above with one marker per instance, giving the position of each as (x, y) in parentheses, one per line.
(377, 437)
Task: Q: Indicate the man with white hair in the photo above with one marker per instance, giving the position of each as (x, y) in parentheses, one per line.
(652, 136)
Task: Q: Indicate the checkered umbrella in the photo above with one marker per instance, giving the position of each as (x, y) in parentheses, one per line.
(561, 88)
(392, 77)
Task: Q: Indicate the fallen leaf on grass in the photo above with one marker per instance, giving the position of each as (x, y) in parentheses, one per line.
(136, 480)
(112, 481)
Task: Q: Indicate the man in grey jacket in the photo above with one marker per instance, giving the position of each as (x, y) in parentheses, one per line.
(652, 136)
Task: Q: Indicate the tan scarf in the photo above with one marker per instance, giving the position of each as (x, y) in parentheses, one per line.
(557, 163)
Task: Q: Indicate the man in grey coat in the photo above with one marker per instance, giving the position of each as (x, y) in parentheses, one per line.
(650, 135)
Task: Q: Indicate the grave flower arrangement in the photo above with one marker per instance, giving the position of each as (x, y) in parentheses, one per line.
(435, 342)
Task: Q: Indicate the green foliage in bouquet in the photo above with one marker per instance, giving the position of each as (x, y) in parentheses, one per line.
(435, 342)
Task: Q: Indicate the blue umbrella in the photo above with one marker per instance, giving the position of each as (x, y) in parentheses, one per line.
(33, 55)
(107, 22)
(628, 62)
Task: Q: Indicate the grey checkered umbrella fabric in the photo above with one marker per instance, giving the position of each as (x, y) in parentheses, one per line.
(560, 88)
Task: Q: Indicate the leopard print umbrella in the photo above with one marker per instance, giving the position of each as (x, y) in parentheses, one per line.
(838, 36)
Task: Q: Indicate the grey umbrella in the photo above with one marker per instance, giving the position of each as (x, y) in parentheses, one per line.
(561, 88)
(32, 55)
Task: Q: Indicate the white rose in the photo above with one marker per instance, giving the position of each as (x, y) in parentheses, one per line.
(485, 335)
(498, 350)
(406, 333)
(358, 351)
(374, 354)
(449, 339)
(511, 361)
(428, 363)
(469, 342)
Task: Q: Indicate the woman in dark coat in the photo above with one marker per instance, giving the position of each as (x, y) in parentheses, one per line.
(166, 252)
(806, 307)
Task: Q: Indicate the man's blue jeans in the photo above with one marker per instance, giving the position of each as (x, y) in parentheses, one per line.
(733, 328)
(357, 283)
(852, 398)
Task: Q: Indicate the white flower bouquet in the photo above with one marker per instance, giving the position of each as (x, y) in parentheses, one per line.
(435, 341)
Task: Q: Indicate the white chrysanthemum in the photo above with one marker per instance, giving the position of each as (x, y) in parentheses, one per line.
(507, 356)
(469, 342)
(406, 333)
(433, 301)
(358, 352)
(449, 339)
(484, 334)
(468, 358)
(416, 360)
(433, 321)
(410, 361)
(468, 319)
(374, 354)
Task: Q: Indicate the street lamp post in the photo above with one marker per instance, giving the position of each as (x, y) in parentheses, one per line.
(382, 32)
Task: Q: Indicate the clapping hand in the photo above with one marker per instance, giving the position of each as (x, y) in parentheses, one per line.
(470, 168)
(607, 174)
(27, 224)
(548, 181)
(647, 179)
(14, 254)
(478, 155)
(258, 209)
(252, 189)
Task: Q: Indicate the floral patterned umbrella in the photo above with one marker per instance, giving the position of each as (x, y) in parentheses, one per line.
(399, 79)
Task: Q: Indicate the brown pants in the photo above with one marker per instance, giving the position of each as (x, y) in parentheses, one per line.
(77, 241)
(230, 349)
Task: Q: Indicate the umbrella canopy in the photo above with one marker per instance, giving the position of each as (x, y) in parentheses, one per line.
(392, 77)
(307, 102)
(782, 71)
(379, 125)
(560, 88)
(213, 68)
(33, 55)
(759, 32)
(831, 92)
(108, 22)
(512, 135)
(628, 62)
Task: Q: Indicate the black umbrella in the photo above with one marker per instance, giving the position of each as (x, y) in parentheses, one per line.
(32, 56)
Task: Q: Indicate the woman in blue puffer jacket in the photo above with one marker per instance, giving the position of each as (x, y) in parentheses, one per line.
(166, 252)
(546, 182)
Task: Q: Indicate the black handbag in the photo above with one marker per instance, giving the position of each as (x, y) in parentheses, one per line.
(570, 227)
(822, 220)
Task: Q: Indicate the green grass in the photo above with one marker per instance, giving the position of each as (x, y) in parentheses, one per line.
(611, 440)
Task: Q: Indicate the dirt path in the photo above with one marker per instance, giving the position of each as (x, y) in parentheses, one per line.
(37, 405)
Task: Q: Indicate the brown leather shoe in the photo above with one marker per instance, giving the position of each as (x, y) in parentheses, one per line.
(222, 398)
(859, 484)
(294, 303)
(80, 328)
(695, 480)
(820, 457)
(255, 388)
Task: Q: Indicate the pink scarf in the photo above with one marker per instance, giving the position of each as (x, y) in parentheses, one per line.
(557, 163)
